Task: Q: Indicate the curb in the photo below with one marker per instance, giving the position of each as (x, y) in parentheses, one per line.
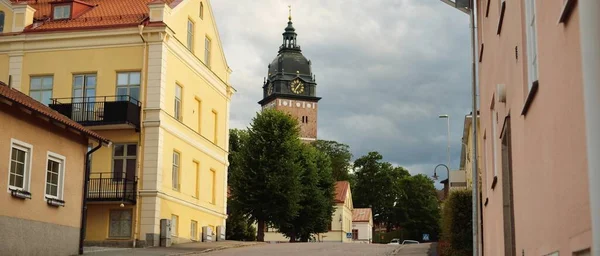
(213, 249)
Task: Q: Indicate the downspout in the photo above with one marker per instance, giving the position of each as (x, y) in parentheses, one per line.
(589, 31)
(140, 139)
(86, 178)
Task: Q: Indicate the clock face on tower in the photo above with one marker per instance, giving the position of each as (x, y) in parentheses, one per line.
(297, 86)
(270, 89)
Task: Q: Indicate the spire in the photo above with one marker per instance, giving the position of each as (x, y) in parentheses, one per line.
(289, 36)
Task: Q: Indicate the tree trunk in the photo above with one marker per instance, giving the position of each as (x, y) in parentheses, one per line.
(292, 239)
(260, 236)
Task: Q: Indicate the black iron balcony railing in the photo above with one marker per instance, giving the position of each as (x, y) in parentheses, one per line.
(105, 110)
(108, 187)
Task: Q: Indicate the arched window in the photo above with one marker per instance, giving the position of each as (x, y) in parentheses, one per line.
(1, 21)
(201, 10)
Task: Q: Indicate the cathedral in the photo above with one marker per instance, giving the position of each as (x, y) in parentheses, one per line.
(290, 85)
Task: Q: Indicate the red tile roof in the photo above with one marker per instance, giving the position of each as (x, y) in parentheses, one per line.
(93, 14)
(341, 191)
(361, 215)
(19, 98)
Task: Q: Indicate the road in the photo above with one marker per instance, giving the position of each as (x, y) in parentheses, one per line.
(326, 249)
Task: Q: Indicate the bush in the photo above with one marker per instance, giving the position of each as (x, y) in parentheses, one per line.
(457, 231)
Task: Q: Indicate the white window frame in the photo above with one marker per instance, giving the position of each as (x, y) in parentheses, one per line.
(61, 11)
(175, 171)
(532, 50)
(190, 35)
(178, 106)
(194, 230)
(33, 92)
(61, 160)
(28, 148)
(207, 50)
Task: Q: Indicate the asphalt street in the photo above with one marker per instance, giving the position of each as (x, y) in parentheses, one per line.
(327, 249)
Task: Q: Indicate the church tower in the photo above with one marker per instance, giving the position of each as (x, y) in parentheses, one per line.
(290, 85)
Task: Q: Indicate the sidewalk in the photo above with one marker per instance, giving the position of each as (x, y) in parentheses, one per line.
(175, 250)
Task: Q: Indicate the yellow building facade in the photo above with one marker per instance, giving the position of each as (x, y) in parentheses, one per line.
(150, 76)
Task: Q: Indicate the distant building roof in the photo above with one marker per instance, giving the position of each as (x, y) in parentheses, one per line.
(361, 215)
(17, 97)
(91, 14)
(341, 191)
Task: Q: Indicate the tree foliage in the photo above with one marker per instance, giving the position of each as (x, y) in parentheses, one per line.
(456, 223)
(417, 209)
(340, 157)
(316, 199)
(268, 190)
(239, 227)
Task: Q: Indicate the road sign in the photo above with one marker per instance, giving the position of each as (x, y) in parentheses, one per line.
(348, 235)
(425, 237)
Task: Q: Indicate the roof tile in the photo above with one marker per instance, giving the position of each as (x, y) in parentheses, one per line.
(341, 191)
(361, 215)
(18, 97)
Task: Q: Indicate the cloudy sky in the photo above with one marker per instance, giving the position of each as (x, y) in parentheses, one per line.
(385, 70)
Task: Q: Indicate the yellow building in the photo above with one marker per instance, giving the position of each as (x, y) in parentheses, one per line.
(150, 76)
(466, 154)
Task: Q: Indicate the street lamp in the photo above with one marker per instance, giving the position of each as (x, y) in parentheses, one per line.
(467, 6)
(447, 117)
(435, 177)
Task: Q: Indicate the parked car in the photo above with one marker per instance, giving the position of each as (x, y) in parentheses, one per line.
(410, 242)
(395, 241)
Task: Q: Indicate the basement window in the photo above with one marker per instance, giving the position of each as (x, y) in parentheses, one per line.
(62, 12)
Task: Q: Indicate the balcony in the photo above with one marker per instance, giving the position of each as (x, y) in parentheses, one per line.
(116, 112)
(108, 187)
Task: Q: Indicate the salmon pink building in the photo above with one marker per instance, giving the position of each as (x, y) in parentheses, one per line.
(534, 164)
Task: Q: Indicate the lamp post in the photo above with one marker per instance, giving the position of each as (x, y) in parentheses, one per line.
(447, 117)
(435, 177)
(467, 7)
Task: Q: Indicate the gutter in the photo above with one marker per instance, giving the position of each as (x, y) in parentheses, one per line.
(86, 178)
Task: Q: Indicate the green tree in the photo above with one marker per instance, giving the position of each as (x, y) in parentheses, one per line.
(237, 138)
(239, 227)
(268, 189)
(316, 198)
(339, 155)
(417, 209)
(456, 223)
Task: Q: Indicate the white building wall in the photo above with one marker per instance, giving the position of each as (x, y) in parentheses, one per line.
(365, 232)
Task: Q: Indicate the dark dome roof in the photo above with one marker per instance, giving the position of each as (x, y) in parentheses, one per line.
(290, 62)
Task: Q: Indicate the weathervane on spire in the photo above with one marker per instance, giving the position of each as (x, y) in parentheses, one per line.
(290, 17)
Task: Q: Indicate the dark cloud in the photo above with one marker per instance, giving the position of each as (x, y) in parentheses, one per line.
(385, 69)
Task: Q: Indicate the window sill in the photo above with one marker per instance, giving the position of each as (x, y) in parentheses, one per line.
(481, 53)
(18, 193)
(494, 182)
(530, 97)
(55, 202)
(501, 19)
(566, 11)
(486, 202)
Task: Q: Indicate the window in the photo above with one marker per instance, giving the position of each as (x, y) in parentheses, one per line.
(120, 224)
(194, 230)
(1, 21)
(124, 161)
(55, 176)
(175, 170)
(216, 125)
(190, 35)
(213, 180)
(41, 89)
(201, 10)
(199, 111)
(207, 51)
(62, 12)
(174, 225)
(485, 157)
(128, 85)
(84, 91)
(197, 179)
(494, 139)
(177, 110)
(355, 234)
(532, 51)
(20, 165)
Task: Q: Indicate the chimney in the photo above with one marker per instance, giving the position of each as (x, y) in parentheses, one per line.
(158, 11)
(22, 16)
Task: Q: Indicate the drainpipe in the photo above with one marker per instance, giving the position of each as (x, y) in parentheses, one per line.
(86, 178)
(140, 139)
(589, 31)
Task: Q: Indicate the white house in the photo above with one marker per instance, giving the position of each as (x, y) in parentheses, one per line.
(362, 225)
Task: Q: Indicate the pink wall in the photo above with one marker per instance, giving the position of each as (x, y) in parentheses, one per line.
(549, 159)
